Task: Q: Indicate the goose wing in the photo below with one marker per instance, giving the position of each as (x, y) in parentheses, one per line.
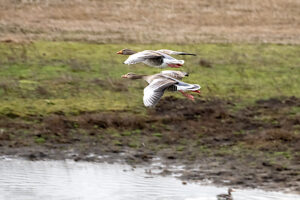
(169, 59)
(170, 52)
(175, 74)
(180, 85)
(142, 56)
(155, 90)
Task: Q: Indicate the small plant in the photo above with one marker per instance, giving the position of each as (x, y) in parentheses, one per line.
(39, 140)
(180, 148)
(117, 143)
(157, 134)
(133, 144)
(126, 133)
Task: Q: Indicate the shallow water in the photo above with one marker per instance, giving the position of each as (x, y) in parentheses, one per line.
(69, 180)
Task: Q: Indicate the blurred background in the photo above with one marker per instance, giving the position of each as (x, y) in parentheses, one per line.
(140, 21)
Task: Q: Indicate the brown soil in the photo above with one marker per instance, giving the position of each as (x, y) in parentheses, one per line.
(140, 21)
(254, 146)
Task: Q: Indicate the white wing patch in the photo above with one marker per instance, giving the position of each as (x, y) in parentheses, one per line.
(186, 86)
(141, 57)
(151, 98)
(134, 59)
(155, 90)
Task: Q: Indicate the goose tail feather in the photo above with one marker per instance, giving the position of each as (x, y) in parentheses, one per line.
(190, 87)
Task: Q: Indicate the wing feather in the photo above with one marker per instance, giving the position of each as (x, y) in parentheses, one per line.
(155, 90)
(170, 52)
(142, 56)
(180, 85)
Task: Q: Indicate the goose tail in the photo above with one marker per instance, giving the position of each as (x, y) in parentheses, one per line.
(188, 87)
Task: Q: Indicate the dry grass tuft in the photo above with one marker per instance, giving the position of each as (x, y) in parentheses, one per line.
(140, 21)
(278, 134)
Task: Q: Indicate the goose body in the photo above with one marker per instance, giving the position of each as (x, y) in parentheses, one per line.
(170, 52)
(179, 75)
(159, 59)
(158, 83)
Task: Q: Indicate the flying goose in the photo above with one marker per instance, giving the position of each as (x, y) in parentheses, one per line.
(160, 58)
(166, 80)
(226, 196)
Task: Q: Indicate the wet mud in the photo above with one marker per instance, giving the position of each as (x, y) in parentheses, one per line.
(256, 146)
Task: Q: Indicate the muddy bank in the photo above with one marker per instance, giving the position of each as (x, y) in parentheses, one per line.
(253, 146)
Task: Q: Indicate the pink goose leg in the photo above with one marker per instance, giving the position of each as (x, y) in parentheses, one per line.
(175, 65)
(189, 96)
(197, 91)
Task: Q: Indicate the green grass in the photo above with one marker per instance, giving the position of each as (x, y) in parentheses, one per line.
(70, 77)
(40, 140)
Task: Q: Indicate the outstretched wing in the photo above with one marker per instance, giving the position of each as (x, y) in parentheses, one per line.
(155, 90)
(142, 56)
(180, 85)
(170, 52)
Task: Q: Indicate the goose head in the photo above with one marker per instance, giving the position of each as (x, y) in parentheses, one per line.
(230, 190)
(126, 52)
(131, 75)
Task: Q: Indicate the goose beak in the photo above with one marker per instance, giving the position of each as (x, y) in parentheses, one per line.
(124, 76)
(120, 52)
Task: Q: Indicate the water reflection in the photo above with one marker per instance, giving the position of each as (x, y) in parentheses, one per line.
(68, 180)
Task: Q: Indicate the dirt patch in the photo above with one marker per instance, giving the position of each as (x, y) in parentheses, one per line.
(254, 146)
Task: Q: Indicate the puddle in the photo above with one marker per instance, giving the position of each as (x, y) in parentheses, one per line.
(69, 180)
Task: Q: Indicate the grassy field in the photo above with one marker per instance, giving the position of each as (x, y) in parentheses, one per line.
(70, 77)
(57, 97)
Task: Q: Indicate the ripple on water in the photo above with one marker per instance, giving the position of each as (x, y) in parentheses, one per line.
(69, 180)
